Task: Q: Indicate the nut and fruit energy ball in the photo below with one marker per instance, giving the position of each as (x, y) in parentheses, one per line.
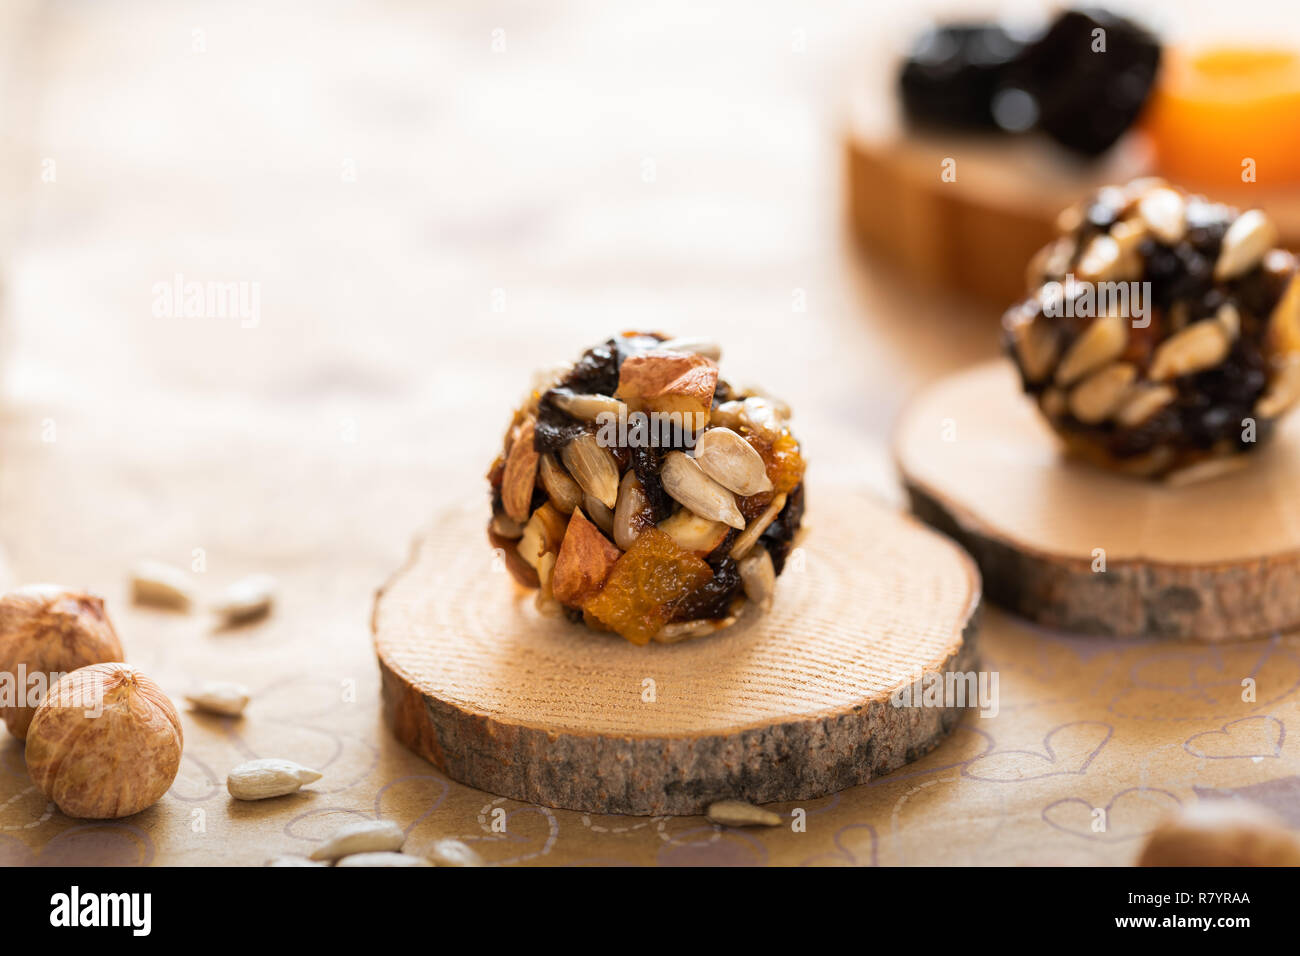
(640, 493)
(1161, 335)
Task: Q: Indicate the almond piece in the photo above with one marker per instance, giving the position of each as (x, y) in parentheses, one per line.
(758, 575)
(220, 697)
(692, 533)
(584, 561)
(662, 381)
(520, 473)
(544, 532)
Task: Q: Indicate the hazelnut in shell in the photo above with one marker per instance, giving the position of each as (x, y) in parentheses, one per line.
(106, 742)
(47, 631)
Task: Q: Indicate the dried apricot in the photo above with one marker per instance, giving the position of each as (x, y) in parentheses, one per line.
(643, 584)
(781, 455)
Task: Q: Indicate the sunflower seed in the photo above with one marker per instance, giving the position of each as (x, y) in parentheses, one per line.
(705, 347)
(1228, 317)
(1200, 346)
(749, 537)
(732, 462)
(268, 777)
(506, 526)
(738, 813)
(727, 414)
(1053, 402)
(1283, 390)
(593, 468)
(1165, 212)
(382, 859)
(631, 515)
(1141, 402)
(601, 517)
(246, 599)
(364, 836)
(1095, 398)
(161, 585)
(1050, 262)
(762, 415)
(290, 860)
(587, 408)
(759, 577)
(562, 489)
(220, 697)
(1250, 236)
(685, 482)
(1036, 346)
(1113, 256)
(1205, 471)
(1101, 342)
(681, 630)
(450, 852)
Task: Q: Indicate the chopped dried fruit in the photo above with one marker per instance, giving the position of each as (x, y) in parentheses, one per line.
(585, 559)
(676, 510)
(638, 595)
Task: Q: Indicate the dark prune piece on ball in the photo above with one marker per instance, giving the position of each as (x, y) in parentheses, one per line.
(596, 373)
(952, 74)
(554, 428)
(713, 598)
(779, 536)
(646, 462)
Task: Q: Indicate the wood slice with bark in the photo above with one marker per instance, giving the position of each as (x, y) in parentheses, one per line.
(1071, 546)
(792, 704)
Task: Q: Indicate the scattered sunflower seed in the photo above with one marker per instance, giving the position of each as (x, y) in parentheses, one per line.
(290, 860)
(449, 852)
(738, 813)
(382, 859)
(161, 585)
(364, 836)
(247, 599)
(268, 777)
(220, 697)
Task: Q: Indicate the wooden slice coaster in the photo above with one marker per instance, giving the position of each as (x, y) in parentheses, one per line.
(976, 233)
(1216, 560)
(789, 705)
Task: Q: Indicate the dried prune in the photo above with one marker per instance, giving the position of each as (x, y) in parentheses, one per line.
(779, 536)
(713, 598)
(646, 462)
(1089, 75)
(953, 73)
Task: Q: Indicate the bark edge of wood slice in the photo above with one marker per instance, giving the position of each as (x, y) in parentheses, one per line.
(793, 704)
(1217, 560)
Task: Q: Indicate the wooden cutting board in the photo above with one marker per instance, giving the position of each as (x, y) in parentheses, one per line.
(1074, 547)
(789, 705)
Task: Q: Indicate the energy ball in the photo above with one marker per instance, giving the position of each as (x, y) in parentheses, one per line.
(641, 494)
(1161, 337)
